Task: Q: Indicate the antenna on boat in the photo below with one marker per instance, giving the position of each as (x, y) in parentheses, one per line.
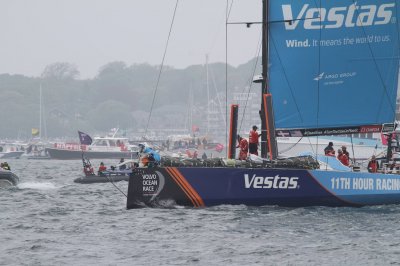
(268, 139)
(115, 132)
(40, 111)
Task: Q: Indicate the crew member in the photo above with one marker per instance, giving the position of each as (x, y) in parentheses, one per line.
(373, 165)
(244, 147)
(253, 141)
(122, 165)
(102, 168)
(188, 153)
(329, 150)
(343, 158)
(344, 150)
(195, 154)
(151, 154)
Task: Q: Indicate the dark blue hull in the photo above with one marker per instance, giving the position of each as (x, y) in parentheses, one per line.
(107, 176)
(101, 179)
(8, 178)
(202, 186)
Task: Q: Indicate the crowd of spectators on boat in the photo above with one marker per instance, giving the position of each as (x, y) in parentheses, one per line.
(192, 143)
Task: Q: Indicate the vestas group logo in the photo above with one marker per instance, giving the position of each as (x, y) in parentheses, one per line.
(336, 17)
(334, 78)
(274, 182)
(319, 77)
(153, 184)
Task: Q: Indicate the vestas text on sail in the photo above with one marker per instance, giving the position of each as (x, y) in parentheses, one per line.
(337, 17)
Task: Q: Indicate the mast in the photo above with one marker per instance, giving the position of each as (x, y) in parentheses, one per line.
(40, 112)
(208, 97)
(265, 136)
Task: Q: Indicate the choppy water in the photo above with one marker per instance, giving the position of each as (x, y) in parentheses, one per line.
(49, 220)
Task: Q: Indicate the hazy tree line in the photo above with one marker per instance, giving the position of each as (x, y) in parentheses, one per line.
(119, 96)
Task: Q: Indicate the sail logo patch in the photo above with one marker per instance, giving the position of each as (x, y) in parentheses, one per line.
(334, 78)
(274, 182)
(348, 16)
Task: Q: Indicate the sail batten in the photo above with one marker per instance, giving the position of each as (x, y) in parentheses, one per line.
(333, 66)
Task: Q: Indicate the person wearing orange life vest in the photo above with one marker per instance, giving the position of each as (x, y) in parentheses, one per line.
(343, 158)
(244, 147)
(253, 141)
(373, 165)
(149, 156)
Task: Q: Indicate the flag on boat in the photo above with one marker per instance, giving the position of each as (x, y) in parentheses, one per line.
(195, 128)
(384, 138)
(84, 138)
(35, 132)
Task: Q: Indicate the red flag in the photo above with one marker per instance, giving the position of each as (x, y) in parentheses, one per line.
(384, 138)
(195, 128)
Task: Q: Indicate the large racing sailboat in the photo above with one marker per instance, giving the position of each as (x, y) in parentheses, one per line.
(330, 67)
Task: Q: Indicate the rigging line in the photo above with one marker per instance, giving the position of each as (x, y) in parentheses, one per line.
(375, 63)
(291, 147)
(226, 76)
(289, 85)
(398, 47)
(352, 148)
(112, 182)
(218, 31)
(226, 73)
(319, 71)
(214, 83)
(251, 80)
(286, 78)
(161, 67)
(398, 30)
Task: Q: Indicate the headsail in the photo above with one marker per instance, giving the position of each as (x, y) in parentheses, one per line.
(333, 68)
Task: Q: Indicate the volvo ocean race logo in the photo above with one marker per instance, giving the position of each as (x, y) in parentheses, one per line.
(336, 17)
(153, 184)
(274, 182)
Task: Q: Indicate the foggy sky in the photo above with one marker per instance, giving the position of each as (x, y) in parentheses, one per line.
(91, 33)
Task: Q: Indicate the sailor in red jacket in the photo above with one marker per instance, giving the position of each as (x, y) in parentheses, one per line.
(253, 141)
(244, 147)
(373, 165)
(102, 168)
(343, 158)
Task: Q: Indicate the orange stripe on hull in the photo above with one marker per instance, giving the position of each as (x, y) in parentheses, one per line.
(180, 184)
(197, 197)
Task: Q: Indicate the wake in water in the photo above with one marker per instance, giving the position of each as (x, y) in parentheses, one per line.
(37, 185)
